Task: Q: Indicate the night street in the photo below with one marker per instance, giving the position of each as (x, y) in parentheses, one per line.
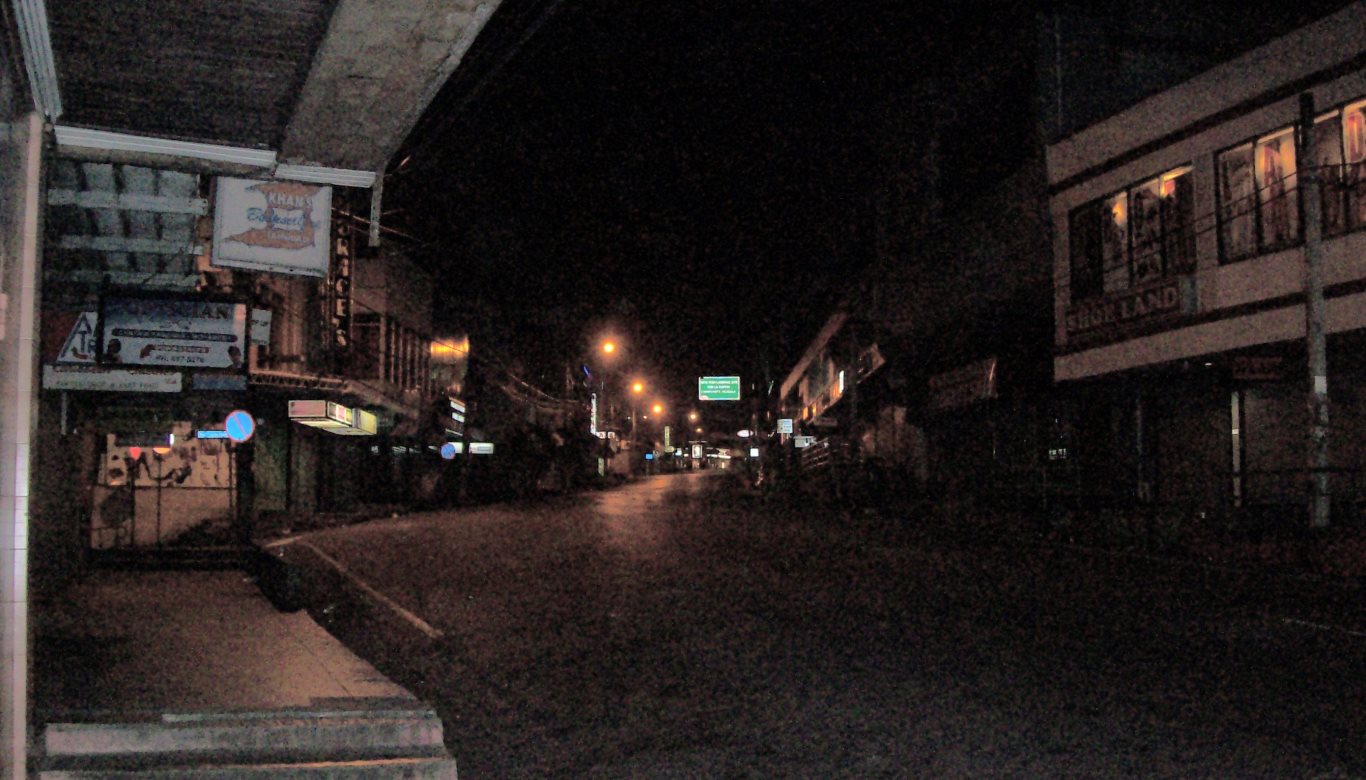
(680, 627)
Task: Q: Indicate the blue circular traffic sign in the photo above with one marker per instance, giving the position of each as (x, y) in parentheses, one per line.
(240, 425)
(448, 450)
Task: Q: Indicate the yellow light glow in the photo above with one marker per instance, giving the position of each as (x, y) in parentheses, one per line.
(657, 408)
(608, 347)
(637, 387)
(1117, 211)
(450, 350)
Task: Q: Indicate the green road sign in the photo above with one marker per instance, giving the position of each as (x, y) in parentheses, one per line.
(718, 388)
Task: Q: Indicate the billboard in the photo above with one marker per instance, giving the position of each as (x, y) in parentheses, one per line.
(718, 388)
(277, 226)
(168, 332)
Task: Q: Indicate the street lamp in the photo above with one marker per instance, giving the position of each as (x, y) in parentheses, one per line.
(637, 387)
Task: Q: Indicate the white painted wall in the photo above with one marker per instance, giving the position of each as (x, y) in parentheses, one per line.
(20, 161)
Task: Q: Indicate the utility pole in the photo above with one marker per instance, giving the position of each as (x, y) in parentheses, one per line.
(1315, 341)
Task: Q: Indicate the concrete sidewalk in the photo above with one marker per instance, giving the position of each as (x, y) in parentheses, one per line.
(123, 642)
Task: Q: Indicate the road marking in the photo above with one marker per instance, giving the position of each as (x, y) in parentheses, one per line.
(414, 620)
(1323, 627)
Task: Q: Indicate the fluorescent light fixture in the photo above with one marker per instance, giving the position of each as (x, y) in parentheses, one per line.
(38, 61)
(316, 174)
(124, 142)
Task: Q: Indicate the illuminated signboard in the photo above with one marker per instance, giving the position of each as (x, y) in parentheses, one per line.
(333, 417)
(718, 388)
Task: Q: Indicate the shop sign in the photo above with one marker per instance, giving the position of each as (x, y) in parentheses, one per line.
(172, 332)
(1111, 314)
(81, 342)
(277, 226)
(339, 289)
(260, 326)
(1258, 368)
(964, 386)
(223, 382)
(333, 417)
(110, 380)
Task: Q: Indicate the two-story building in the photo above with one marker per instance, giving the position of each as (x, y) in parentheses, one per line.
(1179, 278)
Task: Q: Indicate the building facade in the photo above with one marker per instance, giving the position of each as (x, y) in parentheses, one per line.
(168, 327)
(1179, 279)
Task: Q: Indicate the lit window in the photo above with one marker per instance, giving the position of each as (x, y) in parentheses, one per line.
(1354, 159)
(1258, 206)
(1276, 189)
(1134, 237)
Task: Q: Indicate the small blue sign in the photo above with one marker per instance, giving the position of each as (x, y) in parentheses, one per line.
(211, 434)
(448, 450)
(240, 425)
(649, 456)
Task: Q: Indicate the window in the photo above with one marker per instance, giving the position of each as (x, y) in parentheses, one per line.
(1084, 229)
(1340, 156)
(1258, 209)
(1140, 235)
(1276, 190)
(1328, 160)
(1354, 157)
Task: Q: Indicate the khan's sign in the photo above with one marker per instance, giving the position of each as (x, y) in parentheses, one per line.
(278, 226)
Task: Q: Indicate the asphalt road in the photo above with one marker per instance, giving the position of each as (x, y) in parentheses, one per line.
(679, 628)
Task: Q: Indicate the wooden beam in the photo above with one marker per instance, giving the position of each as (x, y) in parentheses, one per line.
(127, 201)
(151, 246)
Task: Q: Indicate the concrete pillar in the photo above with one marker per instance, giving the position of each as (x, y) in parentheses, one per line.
(20, 168)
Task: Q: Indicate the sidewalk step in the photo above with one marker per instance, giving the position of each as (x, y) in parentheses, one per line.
(201, 558)
(326, 734)
(413, 768)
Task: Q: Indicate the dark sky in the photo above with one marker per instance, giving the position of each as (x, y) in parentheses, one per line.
(696, 172)
(694, 175)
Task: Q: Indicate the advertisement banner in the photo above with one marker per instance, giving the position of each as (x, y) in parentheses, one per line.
(277, 226)
(964, 386)
(110, 380)
(180, 333)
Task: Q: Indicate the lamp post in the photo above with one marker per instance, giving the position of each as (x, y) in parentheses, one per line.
(637, 388)
(608, 349)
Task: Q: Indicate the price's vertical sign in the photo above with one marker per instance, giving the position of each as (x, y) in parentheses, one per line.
(339, 287)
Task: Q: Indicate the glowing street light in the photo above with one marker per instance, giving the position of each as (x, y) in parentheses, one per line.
(657, 408)
(637, 387)
(609, 347)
